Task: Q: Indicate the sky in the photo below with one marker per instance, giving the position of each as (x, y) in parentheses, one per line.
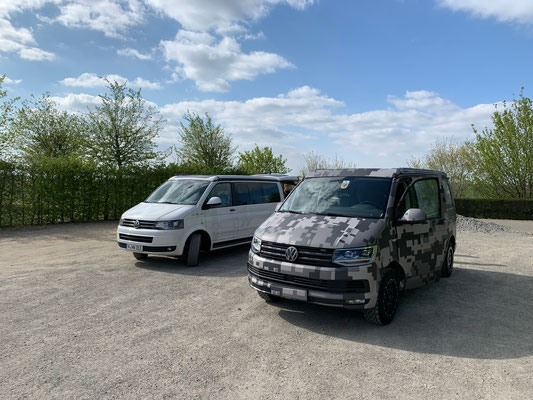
(374, 82)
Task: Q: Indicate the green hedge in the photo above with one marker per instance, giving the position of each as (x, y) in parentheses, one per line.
(493, 208)
(64, 190)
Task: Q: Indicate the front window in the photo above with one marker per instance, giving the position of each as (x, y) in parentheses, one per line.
(359, 197)
(179, 191)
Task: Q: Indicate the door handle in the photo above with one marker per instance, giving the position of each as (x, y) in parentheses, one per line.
(232, 209)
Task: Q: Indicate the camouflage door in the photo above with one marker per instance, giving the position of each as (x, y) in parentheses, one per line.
(419, 245)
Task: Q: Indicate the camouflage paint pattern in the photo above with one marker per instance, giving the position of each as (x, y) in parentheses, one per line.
(418, 249)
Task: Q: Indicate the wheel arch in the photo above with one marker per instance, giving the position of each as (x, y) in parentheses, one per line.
(452, 242)
(206, 240)
(395, 265)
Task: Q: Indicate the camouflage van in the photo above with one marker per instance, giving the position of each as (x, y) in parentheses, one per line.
(355, 238)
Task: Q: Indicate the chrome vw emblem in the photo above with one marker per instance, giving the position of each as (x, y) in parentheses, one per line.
(136, 224)
(291, 253)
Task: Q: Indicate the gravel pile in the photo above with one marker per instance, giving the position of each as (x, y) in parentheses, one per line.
(475, 225)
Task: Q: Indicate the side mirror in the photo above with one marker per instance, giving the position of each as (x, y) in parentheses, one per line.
(213, 202)
(414, 215)
(278, 206)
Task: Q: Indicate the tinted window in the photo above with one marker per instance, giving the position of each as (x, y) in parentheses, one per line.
(343, 196)
(242, 195)
(222, 190)
(448, 194)
(256, 193)
(427, 192)
(179, 191)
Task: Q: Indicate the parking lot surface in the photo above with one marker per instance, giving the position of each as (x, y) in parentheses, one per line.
(81, 318)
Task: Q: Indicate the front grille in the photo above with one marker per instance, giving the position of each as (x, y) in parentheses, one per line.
(142, 224)
(342, 286)
(306, 255)
(135, 238)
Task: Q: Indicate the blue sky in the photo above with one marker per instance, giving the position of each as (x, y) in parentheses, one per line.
(373, 82)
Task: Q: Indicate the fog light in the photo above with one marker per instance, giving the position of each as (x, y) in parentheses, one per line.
(354, 301)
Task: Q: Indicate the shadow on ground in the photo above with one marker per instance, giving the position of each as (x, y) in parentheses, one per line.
(473, 314)
(230, 262)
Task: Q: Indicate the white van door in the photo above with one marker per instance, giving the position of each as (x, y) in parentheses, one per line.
(221, 221)
(254, 203)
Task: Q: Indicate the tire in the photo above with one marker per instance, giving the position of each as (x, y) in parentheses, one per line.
(140, 256)
(447, 268)
(269, 297)
(388, 297)
(193, 250)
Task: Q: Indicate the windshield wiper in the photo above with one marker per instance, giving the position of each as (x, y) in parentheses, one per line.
(292, 212)
(333, 215)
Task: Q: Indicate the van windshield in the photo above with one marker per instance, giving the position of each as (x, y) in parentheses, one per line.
(350, 196)
(179, 191)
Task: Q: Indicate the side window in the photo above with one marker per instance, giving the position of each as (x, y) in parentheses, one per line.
(427, 192)
(256, 193)
(222, 190)
(270, 193)
(242, 194)
(447, 193)
(410, 200)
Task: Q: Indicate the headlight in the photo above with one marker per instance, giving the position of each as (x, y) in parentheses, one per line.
(360, 255)
(178, 224)
(256, 245)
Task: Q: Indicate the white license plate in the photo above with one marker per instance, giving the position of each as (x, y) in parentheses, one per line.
(134, 247)
(295, 294)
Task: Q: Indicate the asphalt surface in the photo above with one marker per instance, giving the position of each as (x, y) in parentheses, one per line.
(81, 318)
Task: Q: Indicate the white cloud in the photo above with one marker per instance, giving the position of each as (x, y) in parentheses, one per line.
(112, 17)
(133, 53)
(304, 120)
(20, 40)
(76, 102)
(222, 16)
(35, 54)
(212, 63)
(520, 11)
(90, 80)
(10, 81)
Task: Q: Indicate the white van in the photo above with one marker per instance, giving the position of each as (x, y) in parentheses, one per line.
(187, 214)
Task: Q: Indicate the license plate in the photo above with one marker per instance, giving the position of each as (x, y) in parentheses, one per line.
(294, 294)
(135, 247)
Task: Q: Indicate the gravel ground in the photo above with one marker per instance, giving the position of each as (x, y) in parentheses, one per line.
(83, 319)
(476, 225)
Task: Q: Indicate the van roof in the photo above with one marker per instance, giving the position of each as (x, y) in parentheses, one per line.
(374, 172)
(264, 177)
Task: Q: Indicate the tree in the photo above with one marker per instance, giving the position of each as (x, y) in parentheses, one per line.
(258, 161)
(6, 117)
(315, 160)
(123, 128)
(503, 155)
(45, 131)
(204, 144)
(452, 158)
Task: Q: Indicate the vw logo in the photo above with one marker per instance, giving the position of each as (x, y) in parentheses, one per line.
(291, 254)
(136, 224)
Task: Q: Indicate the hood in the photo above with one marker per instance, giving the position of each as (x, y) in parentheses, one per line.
(158, 211)
(320, 230)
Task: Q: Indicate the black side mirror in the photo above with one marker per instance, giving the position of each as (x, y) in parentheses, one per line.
(413, 216)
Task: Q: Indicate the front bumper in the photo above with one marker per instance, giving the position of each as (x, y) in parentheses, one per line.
(152, 241)
(346, 287)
